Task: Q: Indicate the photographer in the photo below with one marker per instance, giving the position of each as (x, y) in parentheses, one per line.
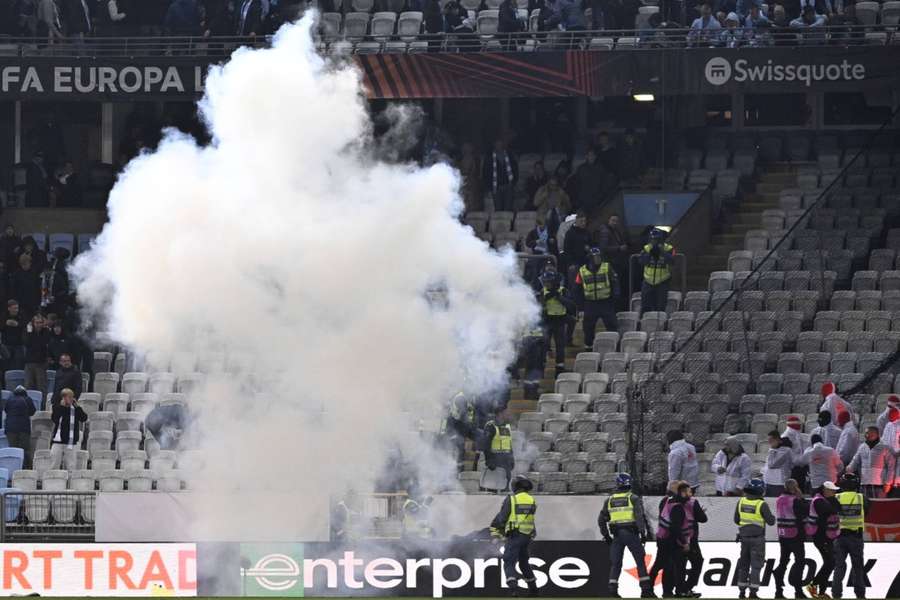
(66, 417)
(656, 258)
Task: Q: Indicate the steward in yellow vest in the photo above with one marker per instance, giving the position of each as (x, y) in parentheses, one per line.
(657, 258)
(751, 515)
(597, 287)
(852, 516)
(515, 523)
(622, 518)
(415, 520)
(556, 305)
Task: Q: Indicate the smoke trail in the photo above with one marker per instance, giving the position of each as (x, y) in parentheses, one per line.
(287, 247)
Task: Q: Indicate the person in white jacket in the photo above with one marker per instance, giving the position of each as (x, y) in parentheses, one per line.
(875, 465)
(891, 434)
(799, 443)
(849, 440)
(882, 420)
(682, 460)
(823, 462)
(732, 467)
(828, 431)
(779, 463)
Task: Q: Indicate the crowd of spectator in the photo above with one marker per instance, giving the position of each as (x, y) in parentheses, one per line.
(54, 19)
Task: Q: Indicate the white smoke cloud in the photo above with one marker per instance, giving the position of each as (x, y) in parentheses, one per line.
(288, 247)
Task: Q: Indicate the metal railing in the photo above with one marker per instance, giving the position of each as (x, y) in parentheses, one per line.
(486, 40)
(46, 516)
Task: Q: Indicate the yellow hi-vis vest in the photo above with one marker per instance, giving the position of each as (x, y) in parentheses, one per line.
(750, 512)
(414, 522)
(501, 443)
(658, 271)
(852, 513)
(596, 285)
(521, 514)
(621, 509)
(553, 306)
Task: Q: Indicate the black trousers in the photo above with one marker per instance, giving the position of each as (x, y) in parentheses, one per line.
(597, 310)
(790, 547)
(515, 552)
(826, 550)
(673, 569)
(695, 559)
(654, 297)
(555, 333)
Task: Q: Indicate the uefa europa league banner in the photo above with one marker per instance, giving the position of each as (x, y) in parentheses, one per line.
(489, 74)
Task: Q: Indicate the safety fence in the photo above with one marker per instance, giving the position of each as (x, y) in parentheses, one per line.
(45, 515)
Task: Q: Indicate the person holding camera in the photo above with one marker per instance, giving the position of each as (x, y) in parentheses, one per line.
(657, 258)
(67, 417)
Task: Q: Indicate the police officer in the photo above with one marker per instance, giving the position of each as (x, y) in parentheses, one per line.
(597, 288)
(415, 522)
(555, 307)
(657, 258)
(622, 517)
(515, 523)
(852, 519)
(751, 515)
(498, 452)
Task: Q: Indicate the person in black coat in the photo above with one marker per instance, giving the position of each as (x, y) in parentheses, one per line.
(9, 242)
(26, 287)
(13, 335)
(60, 343)
(76, 16)
(18, 411)
(37, 182)
(67, 417)
(499, 174)
(67, 377)
(509, 22)
(250, 18)
(37, 343)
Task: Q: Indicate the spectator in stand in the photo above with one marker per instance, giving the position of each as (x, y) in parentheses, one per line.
(26, 286)
(568, 16)
(779, 463)
(535, 181)
(613, 239)
(682, 460)
(591, 180)
(183, 18)
(67, 377)
(37, 342)
(845, 28)
(823, 462)
(732, 36)
(49, 23)
(828, 431)
(781, 30)
(704, 29)
(9, 242)
(250, 17)
(823, 7)
(606, 153)
(457, 19)
(552, 203)
(630, 156)
(882, 420)
(76, 16)
(434, 21)
(60, 344)
(55, 280)
(810, 24)
(148, 16)
(500, 172)
(13, 335)
(793, 431)
(38, 256)
(26, 17)
(732, 467)
(37, 183)
(540, 240)
(66, 185)
(220, 16)
(757, 27)
(742, 7)
(4, 284)
(509, 22)
(470, 188)
(875, 464)
(67, 418)
(848, 442)
(576, 246)
(19, 409)
(114, 18)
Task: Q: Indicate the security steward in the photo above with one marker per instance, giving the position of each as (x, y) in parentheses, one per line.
(498, 452)
(597, 287)
(656, 258)
(415, 522)
(751, 515)
(556, 305)
(622, 518)
(852, 515)
(515, 523)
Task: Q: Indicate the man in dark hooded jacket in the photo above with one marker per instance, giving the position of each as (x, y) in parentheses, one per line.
(18, 411)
